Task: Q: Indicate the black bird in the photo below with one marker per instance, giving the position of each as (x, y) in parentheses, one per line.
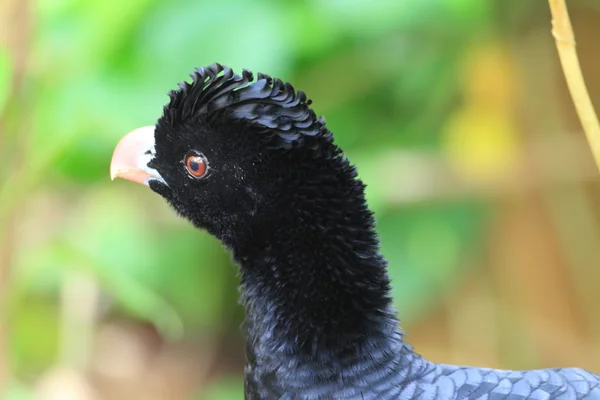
(249, 161)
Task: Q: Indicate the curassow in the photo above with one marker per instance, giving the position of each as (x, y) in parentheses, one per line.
(249, 161)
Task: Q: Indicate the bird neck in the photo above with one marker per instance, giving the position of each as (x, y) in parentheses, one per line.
(313, 281)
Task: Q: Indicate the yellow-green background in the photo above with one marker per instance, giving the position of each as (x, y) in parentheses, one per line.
(455, 111)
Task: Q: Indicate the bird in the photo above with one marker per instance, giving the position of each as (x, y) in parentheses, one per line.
(246, 159)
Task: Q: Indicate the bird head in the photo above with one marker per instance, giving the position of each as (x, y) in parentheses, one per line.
(229, 151)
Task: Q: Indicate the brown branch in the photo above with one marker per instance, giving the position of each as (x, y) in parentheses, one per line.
(565, 42)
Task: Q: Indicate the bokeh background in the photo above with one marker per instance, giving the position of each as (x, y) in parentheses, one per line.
(456, 112)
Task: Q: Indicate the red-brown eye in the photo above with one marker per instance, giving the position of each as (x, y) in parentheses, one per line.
(195, 165)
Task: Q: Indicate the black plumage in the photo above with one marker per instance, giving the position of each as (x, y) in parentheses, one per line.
(285, 200)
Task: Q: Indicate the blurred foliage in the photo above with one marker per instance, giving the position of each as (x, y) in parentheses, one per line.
(387, 74)
(5, 77)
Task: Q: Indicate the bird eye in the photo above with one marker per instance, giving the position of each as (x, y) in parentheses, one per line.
(196, 165)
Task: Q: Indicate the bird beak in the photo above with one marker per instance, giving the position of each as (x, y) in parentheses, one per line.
(132, 155)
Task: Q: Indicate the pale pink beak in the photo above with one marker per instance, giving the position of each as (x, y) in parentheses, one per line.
(131, 156)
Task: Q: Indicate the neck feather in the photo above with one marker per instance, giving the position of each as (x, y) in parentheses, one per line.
(313, 280)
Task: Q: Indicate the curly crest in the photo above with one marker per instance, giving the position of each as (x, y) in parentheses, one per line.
(266, 103)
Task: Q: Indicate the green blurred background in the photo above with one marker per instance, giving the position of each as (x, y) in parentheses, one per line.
(455, 111)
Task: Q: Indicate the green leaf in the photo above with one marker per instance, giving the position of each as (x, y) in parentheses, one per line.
(5, 77)
(171, 275)
(34, 352)
(230, 388)
(16, 391)
(178, 36)
(425, 246)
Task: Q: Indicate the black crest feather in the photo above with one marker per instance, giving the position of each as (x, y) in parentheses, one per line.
(267, 103)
